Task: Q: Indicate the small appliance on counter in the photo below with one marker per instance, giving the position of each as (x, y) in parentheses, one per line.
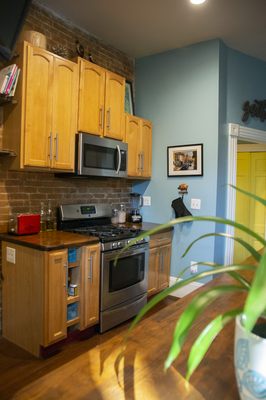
(24, 223)
(136, 204)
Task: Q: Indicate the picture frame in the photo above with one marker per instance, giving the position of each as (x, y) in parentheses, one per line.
(185, 160)
(129, 102)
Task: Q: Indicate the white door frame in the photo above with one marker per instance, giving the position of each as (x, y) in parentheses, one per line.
(236, 132)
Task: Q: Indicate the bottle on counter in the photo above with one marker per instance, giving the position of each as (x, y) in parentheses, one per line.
(50, 218)
(42, 218)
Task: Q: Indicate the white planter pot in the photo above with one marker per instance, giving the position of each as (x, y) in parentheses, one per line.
(250, 363)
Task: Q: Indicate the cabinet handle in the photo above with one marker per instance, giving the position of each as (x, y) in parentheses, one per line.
(56, 147)
(50, 146)
(108, 117)
(142, 161)
(139, 164)
(66, 280)
(90, 276)
(101, 118)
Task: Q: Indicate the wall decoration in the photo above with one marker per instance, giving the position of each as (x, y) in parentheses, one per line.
(185, 160)
(129, 103)
(254, 110)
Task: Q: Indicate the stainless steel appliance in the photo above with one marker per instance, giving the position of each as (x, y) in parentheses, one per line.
(96, 156)
(124, 284)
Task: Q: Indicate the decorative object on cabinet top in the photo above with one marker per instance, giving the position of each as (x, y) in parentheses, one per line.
(129, 101)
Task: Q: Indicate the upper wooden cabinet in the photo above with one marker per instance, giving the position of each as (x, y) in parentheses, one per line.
(139, 139)
(41, 127)
(101, 101)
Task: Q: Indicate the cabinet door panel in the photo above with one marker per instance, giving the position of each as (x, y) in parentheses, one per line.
(91, 98)
(153, 271)
(146, 141)
(56, 297)
(114, 105)
(64, 114)
(38, 107)
(164, 266)
(90, 295)
(133, 140)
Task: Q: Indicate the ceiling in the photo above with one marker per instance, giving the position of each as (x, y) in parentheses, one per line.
(144, 27)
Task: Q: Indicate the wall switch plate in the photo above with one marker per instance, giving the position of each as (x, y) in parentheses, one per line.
(195, 204)
(11, 255)
(193, 267)
(147, 200)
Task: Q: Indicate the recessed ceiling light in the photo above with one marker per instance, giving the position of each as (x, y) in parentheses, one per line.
(197, 1)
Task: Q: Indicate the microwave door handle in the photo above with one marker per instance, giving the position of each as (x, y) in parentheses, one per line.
(119, 159)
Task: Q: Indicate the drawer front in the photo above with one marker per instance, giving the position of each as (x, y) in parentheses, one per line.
(160, 239)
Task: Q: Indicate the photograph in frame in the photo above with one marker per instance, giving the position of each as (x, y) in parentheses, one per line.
(185, 160)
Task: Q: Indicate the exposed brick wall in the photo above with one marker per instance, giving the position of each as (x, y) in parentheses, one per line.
(23, 191)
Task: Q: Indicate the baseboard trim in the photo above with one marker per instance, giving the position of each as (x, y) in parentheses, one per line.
(184, 290)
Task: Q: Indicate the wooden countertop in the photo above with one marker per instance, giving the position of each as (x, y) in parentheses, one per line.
(47, 241)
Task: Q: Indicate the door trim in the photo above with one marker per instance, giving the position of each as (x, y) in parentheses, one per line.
(236, 132)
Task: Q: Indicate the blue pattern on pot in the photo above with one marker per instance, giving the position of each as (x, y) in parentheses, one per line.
(250, 363)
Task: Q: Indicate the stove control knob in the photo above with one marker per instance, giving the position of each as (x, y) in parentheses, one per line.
(128, 241)
(119, 244)
(114, 245)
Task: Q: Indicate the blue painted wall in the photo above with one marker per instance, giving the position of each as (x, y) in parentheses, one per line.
(179, 91)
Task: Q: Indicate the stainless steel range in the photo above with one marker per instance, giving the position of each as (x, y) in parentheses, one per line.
(124, 284)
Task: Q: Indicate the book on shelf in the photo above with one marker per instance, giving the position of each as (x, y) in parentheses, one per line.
(8, 80)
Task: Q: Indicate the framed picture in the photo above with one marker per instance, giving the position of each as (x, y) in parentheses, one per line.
(185, 160)
(129, 104)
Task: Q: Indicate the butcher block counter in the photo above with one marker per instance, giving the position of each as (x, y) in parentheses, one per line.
(47, 241)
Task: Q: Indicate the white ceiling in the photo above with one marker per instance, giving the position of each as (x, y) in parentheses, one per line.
(144, 27)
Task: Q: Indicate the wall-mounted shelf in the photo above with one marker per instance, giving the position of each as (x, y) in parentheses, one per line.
(6, 152)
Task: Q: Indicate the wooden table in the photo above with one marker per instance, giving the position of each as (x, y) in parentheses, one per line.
(94, 369)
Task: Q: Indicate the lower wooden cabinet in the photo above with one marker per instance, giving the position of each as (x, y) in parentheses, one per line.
(46, 293)
(159, 262)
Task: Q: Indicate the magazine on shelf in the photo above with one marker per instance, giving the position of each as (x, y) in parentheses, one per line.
(14, 85)
(5, 75)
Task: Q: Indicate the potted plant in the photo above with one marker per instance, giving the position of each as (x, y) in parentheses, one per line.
(250, 338)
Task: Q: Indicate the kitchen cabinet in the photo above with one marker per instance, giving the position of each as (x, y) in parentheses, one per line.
(101, 101)
(41, 127)
(159, 262)
(90, 286)
(48, 293)
(139, 139)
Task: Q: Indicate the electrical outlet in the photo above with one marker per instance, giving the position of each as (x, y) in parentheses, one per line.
(193, 267)
(195, 204)
(147, 200)
(11, 255)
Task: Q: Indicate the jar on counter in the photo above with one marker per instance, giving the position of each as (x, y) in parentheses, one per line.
(114, 218)
(122, 214)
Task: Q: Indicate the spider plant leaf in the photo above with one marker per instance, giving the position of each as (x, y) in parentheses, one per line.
(192, 218)
(195, 307)
(245, 244)
(255, 303)
(252, 195)
(205, 339)
(166, 292)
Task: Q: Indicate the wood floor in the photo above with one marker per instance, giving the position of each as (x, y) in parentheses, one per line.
(68, 374)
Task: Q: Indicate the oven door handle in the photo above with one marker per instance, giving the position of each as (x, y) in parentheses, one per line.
(119, 159)
(134, 250)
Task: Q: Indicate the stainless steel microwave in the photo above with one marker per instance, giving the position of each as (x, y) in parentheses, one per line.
(96, 156)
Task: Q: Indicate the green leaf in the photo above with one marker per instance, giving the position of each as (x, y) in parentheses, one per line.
(166, 292)
(192, 218)
(195, 307)
(256, 300)
(252, 195)
(245, 244)
(205, 339)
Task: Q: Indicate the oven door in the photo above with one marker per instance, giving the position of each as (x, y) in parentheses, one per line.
(125, 280)
(100, 156)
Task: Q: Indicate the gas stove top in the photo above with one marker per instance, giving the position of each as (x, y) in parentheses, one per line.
(95, 220)
(107, 233)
